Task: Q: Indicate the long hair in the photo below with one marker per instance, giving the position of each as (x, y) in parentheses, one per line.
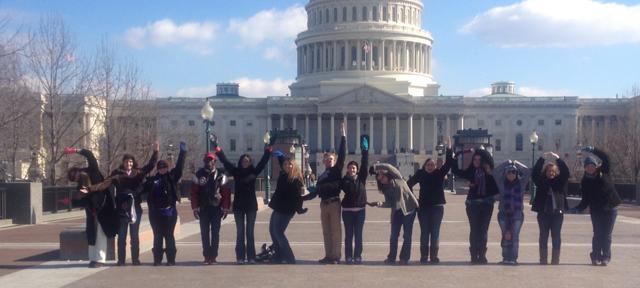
(485, 158)
(425, 163)
(242, 157)
(296, 173)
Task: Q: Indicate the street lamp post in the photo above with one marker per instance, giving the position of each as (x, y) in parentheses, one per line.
(267, 183)
(533, 138)
(207, 116)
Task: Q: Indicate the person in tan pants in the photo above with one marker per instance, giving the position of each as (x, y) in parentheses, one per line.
(330, 211)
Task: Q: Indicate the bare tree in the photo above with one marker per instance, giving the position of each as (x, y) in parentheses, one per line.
(64, 80)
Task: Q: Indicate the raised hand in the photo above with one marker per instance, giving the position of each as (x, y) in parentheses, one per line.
(156, 146)
(70, 150)
(183, 146)
(343, 129)
(272, 138)
(364, 143)
(278, 153)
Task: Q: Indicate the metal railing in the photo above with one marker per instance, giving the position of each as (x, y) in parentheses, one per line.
(3, 203)
(59, 199)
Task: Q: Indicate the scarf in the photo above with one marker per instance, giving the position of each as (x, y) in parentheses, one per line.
(479, 180)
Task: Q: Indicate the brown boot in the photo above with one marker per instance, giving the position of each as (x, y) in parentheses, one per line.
(555, 257)
(543, 256)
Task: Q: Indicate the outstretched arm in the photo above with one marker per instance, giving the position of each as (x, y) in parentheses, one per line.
(225, 162)
(364, 163)
(564, 171)
(177, 171)
(447, 163)
(536, 175)
(264, 160)
(152, 161)
(605, 168)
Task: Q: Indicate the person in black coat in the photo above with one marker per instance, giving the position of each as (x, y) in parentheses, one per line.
(550, 201)
(286, 200)
(162, 194)
(353, 184)
(245, 205)
(102, 220)
(600, 195)
(480, 200)
(432, 201)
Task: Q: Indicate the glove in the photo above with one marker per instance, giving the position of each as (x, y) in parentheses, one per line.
(364, 143)
(278, 153)
(70, 150)
(183, 146)
(272, 138)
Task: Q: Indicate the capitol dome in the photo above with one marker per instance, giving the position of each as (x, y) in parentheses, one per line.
(351, 43)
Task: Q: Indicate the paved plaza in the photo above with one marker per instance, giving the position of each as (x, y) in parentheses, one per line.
(29, 261)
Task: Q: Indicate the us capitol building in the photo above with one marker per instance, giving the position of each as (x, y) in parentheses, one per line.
(368, 63)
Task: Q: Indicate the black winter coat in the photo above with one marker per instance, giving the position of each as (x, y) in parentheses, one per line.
(329, 184)
(599, 192)
(558, 186)
(244, 198)
(491, 188)
(170, 181)
(432, 184)
(132, 183)
(355, 190)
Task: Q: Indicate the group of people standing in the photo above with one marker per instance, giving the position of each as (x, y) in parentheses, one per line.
(110, 214)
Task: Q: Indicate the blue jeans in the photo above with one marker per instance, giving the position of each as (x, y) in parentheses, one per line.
(135, 237)
(550, 222)
(513, 224)
(277, 227)
(603, 222)
(430, 218)
(479, 214)
(399, 220)
(245, 228)
(210, 221)
(353, 226)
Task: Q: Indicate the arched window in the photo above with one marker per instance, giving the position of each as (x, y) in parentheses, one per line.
(410, 13)
(394, 14)
(385, 11)
(320, 16)
(375, 14)
(519, 143)
(354, 14)
(335, 15)
(326, 15)
(344, 14)
(365, 14)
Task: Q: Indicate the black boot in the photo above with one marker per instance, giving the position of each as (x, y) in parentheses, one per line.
(482, 255)
(555, 257)
(474, 255)
(434, 255)
(122, 256)
(157, 256)
(171, 257)
(135, 256)
(424, 254)
(544, 256)
(595, 260)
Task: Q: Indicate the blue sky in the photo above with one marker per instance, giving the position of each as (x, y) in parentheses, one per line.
(548, 47)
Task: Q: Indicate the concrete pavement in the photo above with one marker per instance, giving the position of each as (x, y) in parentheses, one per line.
(306, 237)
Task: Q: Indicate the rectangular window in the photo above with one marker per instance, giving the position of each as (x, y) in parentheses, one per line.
(249, 144)
(540, 122)
(335, 15)
(320, 17)
(385, 12)
(326, 16)
(365, 14)
(519, 142)
(375, 14)
(344, 14)
(192, 123)
(558, 122)
(232, 123)
(395, 14)
(498, 122)
(249, 123)
(232, 145)
(354, 14)
(498, 145)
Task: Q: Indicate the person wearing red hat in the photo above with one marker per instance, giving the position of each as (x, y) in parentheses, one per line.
(210, 201)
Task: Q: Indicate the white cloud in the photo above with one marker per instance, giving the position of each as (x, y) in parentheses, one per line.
(249, 87)
(479, 92)
(553, 23)
(275, 29)
(192, 36)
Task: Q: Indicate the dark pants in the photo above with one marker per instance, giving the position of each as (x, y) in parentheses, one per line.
(430, 218)
(245, 229)
(479, 214)
(512, 224)
(399, 220)
(603, 222)
(353, 226)
(210, 221)
(134, 228)
(163, 231)
(550, 222)
(277, 227)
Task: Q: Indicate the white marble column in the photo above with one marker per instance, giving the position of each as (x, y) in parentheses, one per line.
(383, 56)
(370, 56)
(394, 56)
(320, 148)
(359, 55)
(405, 57)
(435, 134)
(422, 134)
(347, 58)
(429, 61)
(345, 116)
(461, 122)
(306, 129)
(335, 55)
(333, 132)
(294, 122)
(410, 133)
(448, 126)
(397, 146)
(269, 119)
(384, 135)
(371, 134)
(281, 121)
(358, 134)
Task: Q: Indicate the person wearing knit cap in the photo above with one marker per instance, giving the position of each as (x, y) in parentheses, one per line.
(550, 202)
(162, 194)
(210, 201)
(600, 195)
(512, 178)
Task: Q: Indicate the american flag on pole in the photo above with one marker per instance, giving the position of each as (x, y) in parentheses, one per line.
(366, 47)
